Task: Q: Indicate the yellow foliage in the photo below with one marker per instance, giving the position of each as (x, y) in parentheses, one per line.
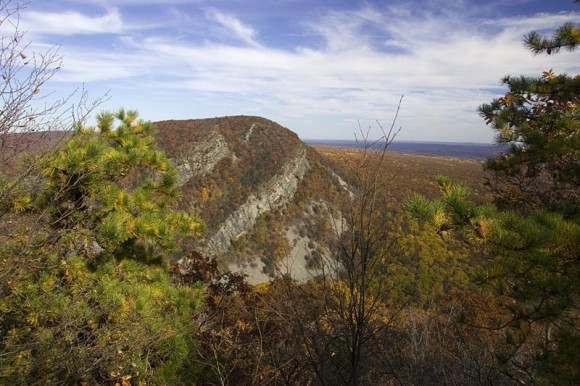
(21, 203)
(33, 319)
(204, 194)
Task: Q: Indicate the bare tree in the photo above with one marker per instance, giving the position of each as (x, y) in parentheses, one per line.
(341, 320)
(30, 119)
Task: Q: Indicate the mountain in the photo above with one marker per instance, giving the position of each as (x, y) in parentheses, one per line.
(266, 197)
(260, 190)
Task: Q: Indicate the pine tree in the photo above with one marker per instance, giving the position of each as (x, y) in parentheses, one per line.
(533, 269)
(112, 185)
(532, 237)
(567, 36)
(86, 296)
(539, 120)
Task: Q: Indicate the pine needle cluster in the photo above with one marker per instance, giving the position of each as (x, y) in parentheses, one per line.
(86, 296)
(112, 182)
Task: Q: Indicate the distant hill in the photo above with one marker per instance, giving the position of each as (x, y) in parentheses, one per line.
(467, 150)
(13, 145)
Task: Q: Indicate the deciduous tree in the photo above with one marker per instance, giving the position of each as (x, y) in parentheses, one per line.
(341, 319)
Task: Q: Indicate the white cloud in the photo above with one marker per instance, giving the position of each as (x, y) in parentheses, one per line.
(124, 3)
(241, 31)
(538, 22)
(102, 66)
(344, 30)
(72, 23)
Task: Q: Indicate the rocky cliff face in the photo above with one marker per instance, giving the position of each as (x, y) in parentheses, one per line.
(202, 158)
(276, 193)
(251, 181)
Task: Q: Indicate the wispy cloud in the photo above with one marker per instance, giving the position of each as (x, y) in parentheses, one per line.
(72, 23)
(539, 22)
(130, 3)
(239, 30)
(349, 65)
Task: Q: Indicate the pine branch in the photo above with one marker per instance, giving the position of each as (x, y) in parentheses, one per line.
(567, 36)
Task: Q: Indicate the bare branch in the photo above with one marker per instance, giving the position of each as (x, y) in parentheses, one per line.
(30, 119)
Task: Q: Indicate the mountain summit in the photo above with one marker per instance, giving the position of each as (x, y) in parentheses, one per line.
(261, 191)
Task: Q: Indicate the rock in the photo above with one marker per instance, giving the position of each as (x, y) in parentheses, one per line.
(275, 193)
(203, 157)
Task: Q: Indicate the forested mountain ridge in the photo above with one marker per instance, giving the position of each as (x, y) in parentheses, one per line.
(267, 200)
(242, 174)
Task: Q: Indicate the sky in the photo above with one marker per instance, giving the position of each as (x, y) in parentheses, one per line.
(325, 69)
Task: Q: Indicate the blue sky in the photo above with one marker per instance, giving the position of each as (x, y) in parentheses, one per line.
(318, 67)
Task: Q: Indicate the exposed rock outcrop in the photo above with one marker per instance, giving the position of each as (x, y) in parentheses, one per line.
(276, 193)
(203, 157)
(252, 180)
(249, 133)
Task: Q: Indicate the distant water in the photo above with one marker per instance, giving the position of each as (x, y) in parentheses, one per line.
(463, 150)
